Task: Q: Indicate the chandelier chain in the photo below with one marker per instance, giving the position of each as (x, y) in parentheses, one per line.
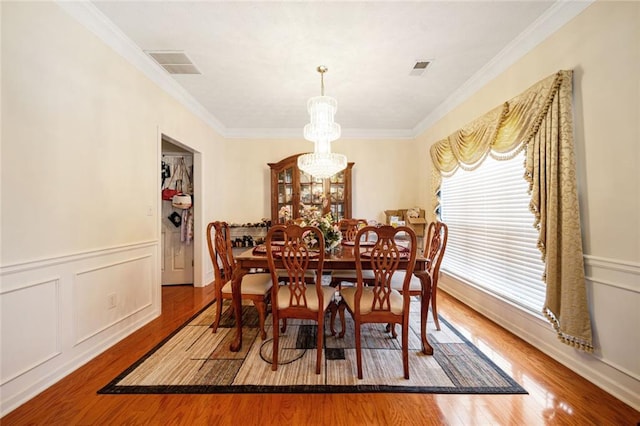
(322, 69)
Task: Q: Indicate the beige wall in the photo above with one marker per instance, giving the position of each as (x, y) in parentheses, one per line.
(80, 139)
(80, 154)
(80, 192)
(384, 175)
(80, 196)
(602, 46)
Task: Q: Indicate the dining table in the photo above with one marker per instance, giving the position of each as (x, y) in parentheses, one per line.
(343, 258)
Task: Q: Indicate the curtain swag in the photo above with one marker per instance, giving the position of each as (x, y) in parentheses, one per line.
(539, 121)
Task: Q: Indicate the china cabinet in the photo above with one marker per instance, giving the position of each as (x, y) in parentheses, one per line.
(292, 188)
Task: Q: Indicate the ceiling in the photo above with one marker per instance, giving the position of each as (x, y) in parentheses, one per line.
(258, 60)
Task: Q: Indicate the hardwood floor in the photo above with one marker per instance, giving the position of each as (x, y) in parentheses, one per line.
(557, 396)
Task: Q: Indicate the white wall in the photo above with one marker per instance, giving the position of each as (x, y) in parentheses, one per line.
(80, 194)
(602, 46)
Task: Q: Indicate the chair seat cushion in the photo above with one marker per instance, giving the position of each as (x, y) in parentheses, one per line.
(366, 302)
(252, 284)
(284, 293)
(397, 281)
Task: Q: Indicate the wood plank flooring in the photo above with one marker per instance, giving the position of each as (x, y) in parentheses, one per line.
(557, 396)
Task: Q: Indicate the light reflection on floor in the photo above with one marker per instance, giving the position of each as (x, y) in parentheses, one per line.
(480, 410)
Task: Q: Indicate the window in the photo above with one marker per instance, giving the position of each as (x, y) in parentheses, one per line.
(492, 241)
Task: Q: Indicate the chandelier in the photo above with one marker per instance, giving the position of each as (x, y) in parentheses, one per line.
(322, 130)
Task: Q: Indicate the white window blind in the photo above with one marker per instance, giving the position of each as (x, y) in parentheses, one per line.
(492, 241)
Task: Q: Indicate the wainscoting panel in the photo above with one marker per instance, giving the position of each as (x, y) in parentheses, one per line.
(615, 314)
(30, 332)
(110, 293)
(613, 288)
(58, 313)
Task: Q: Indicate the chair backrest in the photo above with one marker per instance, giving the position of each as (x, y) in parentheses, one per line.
(350, 228)
(385, 258)
(220, 250)
(293, 255)
(435, 245)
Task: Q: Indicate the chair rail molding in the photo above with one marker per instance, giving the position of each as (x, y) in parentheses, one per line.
(621, 274)
(71, 257)
(62, 311)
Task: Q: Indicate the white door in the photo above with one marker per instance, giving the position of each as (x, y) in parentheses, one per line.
(177, 246)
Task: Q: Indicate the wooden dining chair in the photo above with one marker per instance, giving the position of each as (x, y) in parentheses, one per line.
(294, 296)
(378, 302)
(349, 229)
(435, 245)
(310, 275)
(254, 287)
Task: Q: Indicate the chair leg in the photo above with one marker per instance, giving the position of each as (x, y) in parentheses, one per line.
(284, 326)
(262, 313)
(319, 343)
(216, 320)
(434, 309)
(274, 355)
(358, 351)
(341, 308)
(405, 347)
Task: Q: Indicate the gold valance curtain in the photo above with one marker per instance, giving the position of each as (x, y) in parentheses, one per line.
(540, 121)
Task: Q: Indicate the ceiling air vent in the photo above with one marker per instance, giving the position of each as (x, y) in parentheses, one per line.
(419, 67)
(174, 62)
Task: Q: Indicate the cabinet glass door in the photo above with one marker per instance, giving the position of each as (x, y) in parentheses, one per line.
(285, 195)
(311, 192)
(337, 196)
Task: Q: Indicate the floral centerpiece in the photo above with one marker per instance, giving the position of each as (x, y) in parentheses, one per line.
(311, 216)
(284, 214)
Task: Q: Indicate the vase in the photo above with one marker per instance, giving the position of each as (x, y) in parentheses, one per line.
(328, 250)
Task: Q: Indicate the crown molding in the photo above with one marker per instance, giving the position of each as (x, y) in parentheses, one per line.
(264, 133)
(548, 23)
(269, 133)
(377, 134)
(91, 18)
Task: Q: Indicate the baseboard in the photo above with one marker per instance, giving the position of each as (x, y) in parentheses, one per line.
(620, 381)
(69, 367)
(67, 309)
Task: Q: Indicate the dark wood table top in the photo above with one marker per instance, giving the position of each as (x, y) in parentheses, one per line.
(341, 258)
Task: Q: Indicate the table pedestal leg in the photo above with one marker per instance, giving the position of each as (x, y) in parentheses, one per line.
(337, 307)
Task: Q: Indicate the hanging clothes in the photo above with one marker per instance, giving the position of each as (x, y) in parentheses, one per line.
(186, 229)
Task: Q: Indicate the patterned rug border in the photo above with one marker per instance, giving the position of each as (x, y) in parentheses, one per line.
(113, 387)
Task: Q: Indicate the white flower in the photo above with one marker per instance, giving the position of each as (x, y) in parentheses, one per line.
(285, 212)
(311, 216)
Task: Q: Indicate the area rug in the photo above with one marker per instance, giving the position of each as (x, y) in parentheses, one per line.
(195, 360)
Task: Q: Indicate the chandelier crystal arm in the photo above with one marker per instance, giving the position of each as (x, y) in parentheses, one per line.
(322, 130)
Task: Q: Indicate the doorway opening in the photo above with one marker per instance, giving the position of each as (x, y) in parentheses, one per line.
(177, 220)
